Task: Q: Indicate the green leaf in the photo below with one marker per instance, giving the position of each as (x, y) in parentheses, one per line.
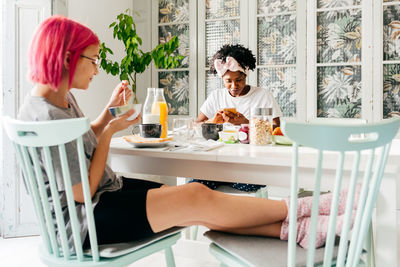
(108, 68)
(123, 76)
(135, 60)
(103, 64)
(110, 51)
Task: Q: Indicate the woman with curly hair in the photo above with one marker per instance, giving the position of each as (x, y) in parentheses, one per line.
(232, 63)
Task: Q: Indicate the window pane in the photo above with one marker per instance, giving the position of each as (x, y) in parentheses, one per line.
(219, 33)
(213, 81)
(337, 3)
(391, 32)
(173, 11)
(165, 33)
(222, 9)
(339, 36)
(281, 82)
(176, 85)
(276, 6)
(339, 92)
(277, 40)
(391, 86)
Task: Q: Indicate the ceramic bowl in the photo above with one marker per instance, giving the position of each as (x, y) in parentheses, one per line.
(211, 130)
(120, 110)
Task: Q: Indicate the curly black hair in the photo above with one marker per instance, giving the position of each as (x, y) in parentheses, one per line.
(243, 56)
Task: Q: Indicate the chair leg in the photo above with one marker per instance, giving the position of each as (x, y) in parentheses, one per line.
(262, 192)
(370, 247)
(195, 230)
(169, 257)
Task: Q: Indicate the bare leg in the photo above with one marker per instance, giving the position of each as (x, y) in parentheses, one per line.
(273, 230)
(180, 205)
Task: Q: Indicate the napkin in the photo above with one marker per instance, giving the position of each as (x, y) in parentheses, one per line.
(204, 145)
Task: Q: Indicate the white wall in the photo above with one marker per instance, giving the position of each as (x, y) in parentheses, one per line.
(1, 106)
(98, 14)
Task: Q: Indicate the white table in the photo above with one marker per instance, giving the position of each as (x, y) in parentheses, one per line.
(265, 165)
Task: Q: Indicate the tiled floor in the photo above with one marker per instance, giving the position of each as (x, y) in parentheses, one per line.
(23, 252)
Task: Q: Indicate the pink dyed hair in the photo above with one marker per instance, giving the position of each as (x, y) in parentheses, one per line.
(55, 37)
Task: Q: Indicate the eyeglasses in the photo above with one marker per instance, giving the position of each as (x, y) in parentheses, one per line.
(95, 61)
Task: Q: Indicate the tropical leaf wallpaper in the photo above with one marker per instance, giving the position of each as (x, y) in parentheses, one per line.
(391, 51)
(212, 82)
(174, 21)
(339, 44)
(277, 40)
(176, 91)
(222, 26)
(219, 33)
(339, 92)
(276, 6)
(337, 3)
(277, 45)
(391, 32)
(281, 82)
(339, 36)
(217, 9)
(165, 33)
(172, 11)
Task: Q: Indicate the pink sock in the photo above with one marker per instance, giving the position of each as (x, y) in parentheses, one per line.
(303, 228)
(304, 205)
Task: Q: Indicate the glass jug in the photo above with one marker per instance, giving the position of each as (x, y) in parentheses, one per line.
(148, 116)
(160, 108)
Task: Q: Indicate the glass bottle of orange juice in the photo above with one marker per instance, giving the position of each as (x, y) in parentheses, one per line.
(160, 107)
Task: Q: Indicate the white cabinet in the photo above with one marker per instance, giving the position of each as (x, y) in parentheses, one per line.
(320, 59)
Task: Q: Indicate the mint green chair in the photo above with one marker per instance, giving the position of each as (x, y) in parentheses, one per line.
(32, 140)
(343, 142)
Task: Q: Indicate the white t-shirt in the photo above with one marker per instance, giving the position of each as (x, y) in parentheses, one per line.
(256, 97)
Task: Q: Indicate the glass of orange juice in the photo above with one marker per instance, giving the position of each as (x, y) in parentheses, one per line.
(160, 107)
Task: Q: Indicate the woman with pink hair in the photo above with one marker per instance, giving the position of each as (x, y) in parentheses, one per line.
(64, 55)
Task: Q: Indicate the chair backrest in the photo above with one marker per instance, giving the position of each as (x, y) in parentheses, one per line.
(32, 138)
(349, 142)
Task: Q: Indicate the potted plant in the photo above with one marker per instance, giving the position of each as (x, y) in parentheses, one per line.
(136, 61)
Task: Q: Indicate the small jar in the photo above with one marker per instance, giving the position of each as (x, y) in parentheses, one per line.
(260, 133)
(244, 134)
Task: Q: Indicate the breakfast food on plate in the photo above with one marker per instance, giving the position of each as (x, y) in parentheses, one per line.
(138, 139)
(277, 131)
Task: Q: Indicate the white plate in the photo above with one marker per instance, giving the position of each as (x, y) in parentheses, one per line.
(281, 140)
(150, 145)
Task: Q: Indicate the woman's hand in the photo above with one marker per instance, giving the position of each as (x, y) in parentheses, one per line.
(117, 96)
(236, 119)
(120, 123)
(217, 118)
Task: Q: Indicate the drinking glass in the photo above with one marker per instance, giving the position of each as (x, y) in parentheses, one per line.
(182, 129)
